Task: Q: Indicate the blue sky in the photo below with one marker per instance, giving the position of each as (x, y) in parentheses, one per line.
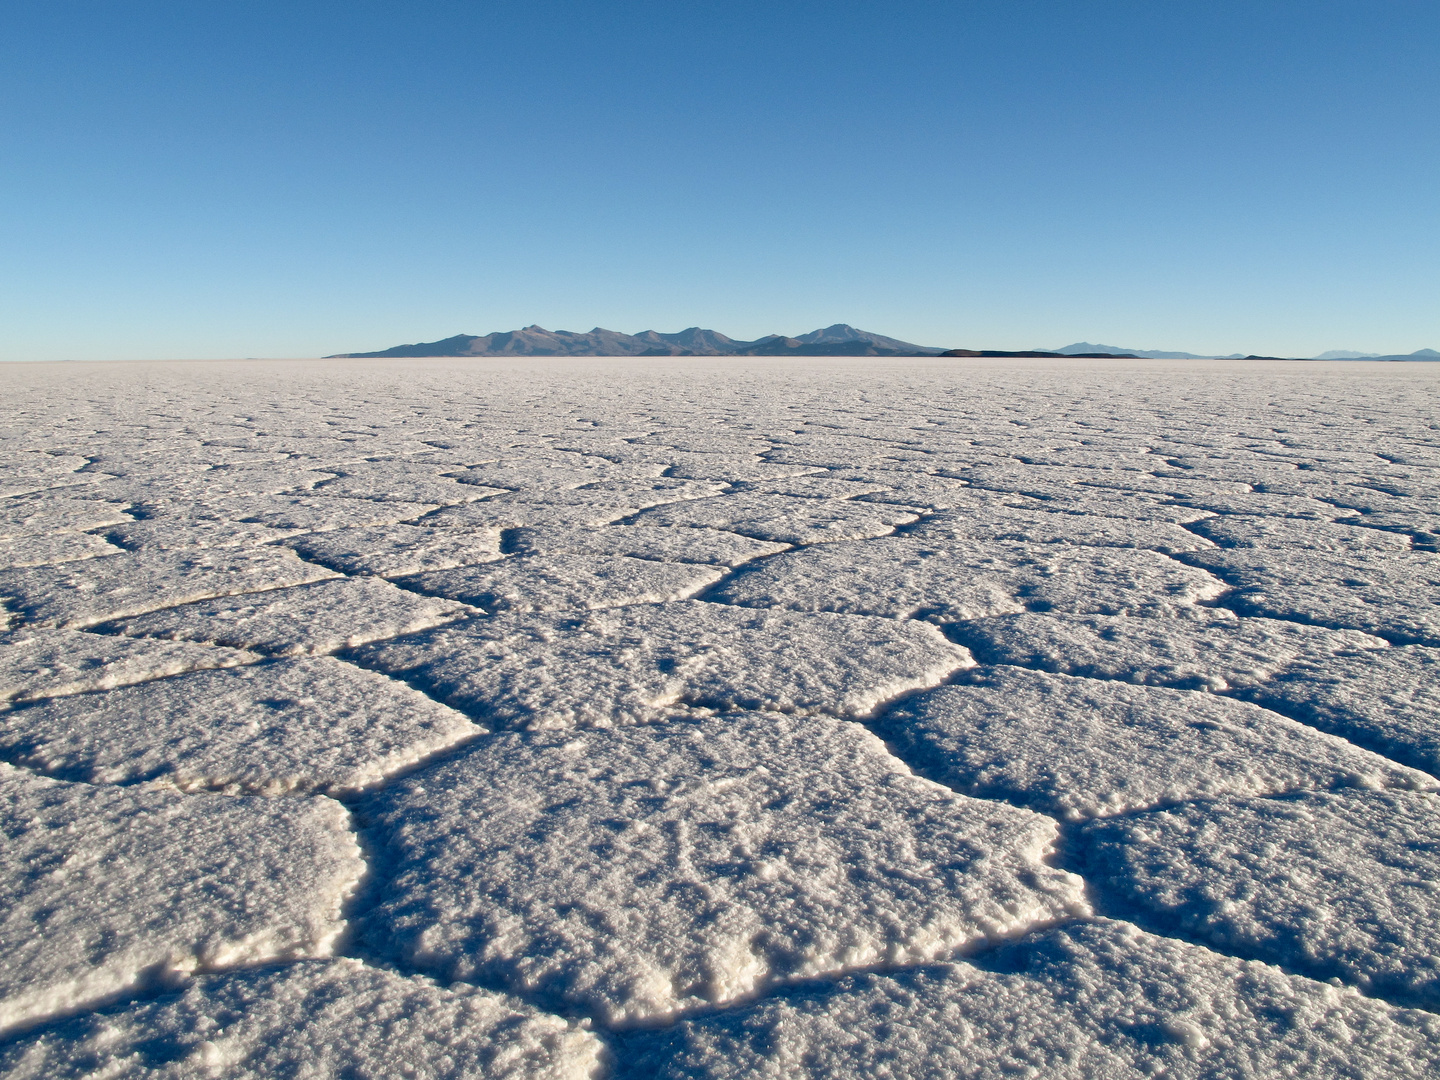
(291, 179)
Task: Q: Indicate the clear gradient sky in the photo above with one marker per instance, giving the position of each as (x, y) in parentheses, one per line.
(218, 179)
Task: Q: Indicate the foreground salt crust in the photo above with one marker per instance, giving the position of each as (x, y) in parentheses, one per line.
(273, 728)
(1389, 701)
(1334, 884)
(77, 596)
(1057, 516)
(110, 888)
(307, 620)
(648, 870)
(313, 1020)
(1095, 1000)
(1201, 649)
(953, 581)
(38, 663)
(634, 664)
(1080, 748)
(392, 550)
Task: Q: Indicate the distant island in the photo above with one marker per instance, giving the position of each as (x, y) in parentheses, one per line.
(838, 340)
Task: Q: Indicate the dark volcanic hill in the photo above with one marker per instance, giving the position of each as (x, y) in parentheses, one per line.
(837, 340)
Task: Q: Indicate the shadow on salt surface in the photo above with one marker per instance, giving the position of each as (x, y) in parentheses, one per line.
(1335, 884)
(634, 664)
(327, 1018)
(1081, 748)
(648, 871)
(1087, 1000)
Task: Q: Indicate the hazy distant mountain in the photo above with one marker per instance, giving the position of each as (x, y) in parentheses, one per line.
(1147, 354)
(837, 340)
(1347, 354)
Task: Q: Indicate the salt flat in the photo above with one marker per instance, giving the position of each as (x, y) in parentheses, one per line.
(719, 718)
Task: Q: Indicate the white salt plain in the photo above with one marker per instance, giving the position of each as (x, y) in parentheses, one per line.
(698, 718)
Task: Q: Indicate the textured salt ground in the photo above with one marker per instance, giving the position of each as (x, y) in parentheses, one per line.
(307, 620)
(953, 581)
(1099, 999)
(1394, 595)
(272, 728)
(110, 888)
(1120, 454)
(534, 583)
(316, 512)
(1006, 524)
(1081, 748)
(48, 514)
(395, 550)
(311, 1020)
(1203, 648)
(633, 664)
(53, 549)
(595, 504)
(1332, 884)
(697, 545)
(38, 663)
(783, 519)
(1387, 701)
(643, 871)
(1296, 534)
(132, 584)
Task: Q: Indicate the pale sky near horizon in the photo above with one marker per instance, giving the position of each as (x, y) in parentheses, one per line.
(296, 179)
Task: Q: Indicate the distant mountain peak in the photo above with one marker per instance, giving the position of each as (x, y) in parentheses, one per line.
(534, 340)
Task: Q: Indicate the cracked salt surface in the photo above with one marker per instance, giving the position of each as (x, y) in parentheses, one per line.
(1204, 596)
(1201, 649)
(641, 872)
(108, 889)
(272, 728)
(1097, 1000)
(1080, 748)
(633, 664)
(307, 620)
(951, 581)
(1333, 884)
(313, 1020)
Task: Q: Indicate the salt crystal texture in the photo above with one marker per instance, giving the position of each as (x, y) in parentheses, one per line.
(109, 888)
(648, 870)
(1081, 748)
(633, 664)
(273, 728)
(313, 1020)
(1333, 884)
(308, 620)
(1095, 1000)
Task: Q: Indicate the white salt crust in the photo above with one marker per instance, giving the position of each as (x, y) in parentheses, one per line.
(1081, 748)
(307, 620)
(274, 728)
(903, 578)
(112, 889)
(1333, 884)
(635, 664)
(1100, 999)
(648, 870)
(1033, 509)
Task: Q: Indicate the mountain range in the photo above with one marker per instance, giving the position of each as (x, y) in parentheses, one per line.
(837, 340)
